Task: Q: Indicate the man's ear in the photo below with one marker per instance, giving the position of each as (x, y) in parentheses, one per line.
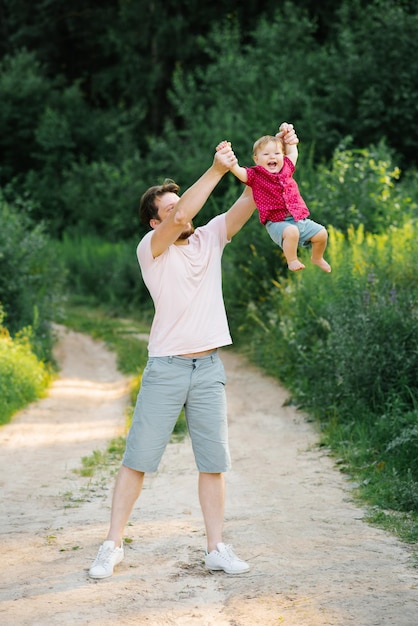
(154, 223)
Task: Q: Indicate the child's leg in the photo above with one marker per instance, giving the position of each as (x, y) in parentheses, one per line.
(319, 243)
(290, 247)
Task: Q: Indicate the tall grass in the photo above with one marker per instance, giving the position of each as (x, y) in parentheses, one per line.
(103, 272)
(346, 346)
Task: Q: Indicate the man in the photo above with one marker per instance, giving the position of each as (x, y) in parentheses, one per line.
(181, 268)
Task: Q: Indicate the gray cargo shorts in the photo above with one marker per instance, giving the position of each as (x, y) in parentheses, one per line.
(169, 384)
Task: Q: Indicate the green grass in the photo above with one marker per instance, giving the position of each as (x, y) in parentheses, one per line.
(402, 525)
(380, 454)
(103, 460)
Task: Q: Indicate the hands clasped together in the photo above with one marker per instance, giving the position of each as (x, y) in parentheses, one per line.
(225, 155)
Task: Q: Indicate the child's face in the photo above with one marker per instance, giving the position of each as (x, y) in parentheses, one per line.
(270, 156)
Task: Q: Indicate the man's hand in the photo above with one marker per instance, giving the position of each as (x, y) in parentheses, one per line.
(288, 134)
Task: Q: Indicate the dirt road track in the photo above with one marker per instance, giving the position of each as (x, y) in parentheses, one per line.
(314, 562)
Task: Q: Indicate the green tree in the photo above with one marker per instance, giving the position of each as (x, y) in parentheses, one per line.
(23, 93)
(245, 92)
(122, 52)
(367, 77)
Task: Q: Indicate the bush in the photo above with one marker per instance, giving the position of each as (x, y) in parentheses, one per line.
(358, 187)
(23, 378)
(335, 329)
(31, 276)
(103, 199)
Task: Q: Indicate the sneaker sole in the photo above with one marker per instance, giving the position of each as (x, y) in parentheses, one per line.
(228, 571)
(100, 576)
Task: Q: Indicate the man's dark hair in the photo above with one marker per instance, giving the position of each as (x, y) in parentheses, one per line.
(147, 208)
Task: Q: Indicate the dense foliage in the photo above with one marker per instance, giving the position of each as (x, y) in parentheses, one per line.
(99, 100)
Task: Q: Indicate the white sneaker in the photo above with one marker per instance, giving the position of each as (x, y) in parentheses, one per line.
(106, 559)
(224, 559)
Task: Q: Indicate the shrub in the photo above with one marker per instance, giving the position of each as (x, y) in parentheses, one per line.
(23, 377)
(335, 329)
(358, 187)
(98, 198)
(31, 276)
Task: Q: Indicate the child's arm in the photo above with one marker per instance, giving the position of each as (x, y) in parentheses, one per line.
(290, 140)
(237, 170)
(291, 151)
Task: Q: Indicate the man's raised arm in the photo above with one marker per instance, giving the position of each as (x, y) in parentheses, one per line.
(190, 203)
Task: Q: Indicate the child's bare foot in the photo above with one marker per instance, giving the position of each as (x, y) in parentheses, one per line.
(322, 264)
(296, 265)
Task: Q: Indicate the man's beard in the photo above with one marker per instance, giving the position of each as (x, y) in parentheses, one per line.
(186, 233)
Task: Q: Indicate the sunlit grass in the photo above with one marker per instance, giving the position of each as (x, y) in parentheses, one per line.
(23, 377)
(103, 459)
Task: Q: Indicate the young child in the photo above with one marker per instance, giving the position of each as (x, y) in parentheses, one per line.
(281, 207)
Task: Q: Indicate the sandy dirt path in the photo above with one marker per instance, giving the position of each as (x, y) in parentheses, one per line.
(314, 561)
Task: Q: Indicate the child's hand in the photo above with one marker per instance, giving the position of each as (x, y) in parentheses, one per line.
(288, 134)
(225, 155)
(223, 144)
(284, 128)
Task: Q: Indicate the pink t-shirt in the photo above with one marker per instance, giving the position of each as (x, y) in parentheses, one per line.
(185, 283)
(276, 195)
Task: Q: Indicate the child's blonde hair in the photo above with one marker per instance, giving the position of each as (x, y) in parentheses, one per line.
(263, 141)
